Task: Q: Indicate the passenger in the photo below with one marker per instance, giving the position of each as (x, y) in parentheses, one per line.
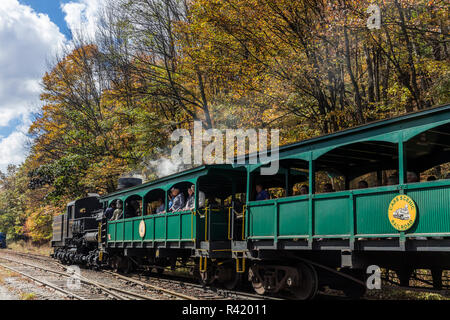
(190, 203)
(392, 180)
(411, 177)
(261, 194)
(136, 205)
(328, 187)
(118, 212)
(132, 209)
(178, 200)
(160, 208)
(110, 210)
(304, 189)
(431, 178)
(363, 184)
(170, 199)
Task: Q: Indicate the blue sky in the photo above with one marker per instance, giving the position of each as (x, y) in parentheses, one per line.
(32, 32)
(53, 9)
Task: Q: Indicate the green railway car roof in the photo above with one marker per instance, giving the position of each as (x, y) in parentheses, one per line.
(389, 130)
(170, 180)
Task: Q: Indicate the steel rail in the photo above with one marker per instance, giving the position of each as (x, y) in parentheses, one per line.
(82, 279)
(145, 284)
(45, 283)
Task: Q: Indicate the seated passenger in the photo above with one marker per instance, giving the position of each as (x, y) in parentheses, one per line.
(160, 208)
(392, 180)
(118, 212)
(304, 189)
(411, 177)
(363, 184)
(133, 209)
(178, 200)
(431, 178)
(261, 194)
(328, 187)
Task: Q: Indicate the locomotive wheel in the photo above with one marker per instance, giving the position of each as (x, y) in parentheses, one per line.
(308, 282)
(206, 278)
(232, 283)
(258, 286)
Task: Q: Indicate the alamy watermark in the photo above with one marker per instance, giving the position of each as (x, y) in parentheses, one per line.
(74, 279)
(190, 149)
(374, 20)
(374, 279)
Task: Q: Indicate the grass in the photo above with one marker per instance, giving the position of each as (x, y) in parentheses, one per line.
(28, 247)
(28, 296)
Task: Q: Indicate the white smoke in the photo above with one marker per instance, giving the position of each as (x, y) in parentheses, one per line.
(165, 166)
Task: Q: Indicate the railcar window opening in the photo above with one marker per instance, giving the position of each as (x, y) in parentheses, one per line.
(427, 155)
(221, 190)
(133, 207)
(358, 165)
(183, 187)
(151, 201)
(291, 175)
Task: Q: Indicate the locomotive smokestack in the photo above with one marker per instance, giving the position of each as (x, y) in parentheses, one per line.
(128, 182)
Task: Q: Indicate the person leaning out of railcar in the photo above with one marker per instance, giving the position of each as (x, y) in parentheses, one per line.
(190, 203)
(179, 201)
(118, 212)
(261, 194)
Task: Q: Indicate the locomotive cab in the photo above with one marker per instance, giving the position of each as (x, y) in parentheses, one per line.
(75, 231)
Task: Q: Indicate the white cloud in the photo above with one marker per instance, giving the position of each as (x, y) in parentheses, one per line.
(82, 16)
(27, 41)
(13, 149)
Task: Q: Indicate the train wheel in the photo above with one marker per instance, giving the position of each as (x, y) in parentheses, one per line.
(234, 282)
(258, 286)
(308, 282)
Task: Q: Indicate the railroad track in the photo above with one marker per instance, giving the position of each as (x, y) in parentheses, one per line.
(196, 291)
(52, 278)
(117, 292)
(166, 288)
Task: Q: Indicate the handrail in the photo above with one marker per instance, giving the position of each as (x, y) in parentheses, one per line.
(243, 221)
(229, 223)
(242, 269)
(206, 223)
(204, 266)
(193, 212)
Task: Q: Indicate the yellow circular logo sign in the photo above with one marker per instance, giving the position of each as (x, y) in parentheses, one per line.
(142, 229)
(402, 212)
